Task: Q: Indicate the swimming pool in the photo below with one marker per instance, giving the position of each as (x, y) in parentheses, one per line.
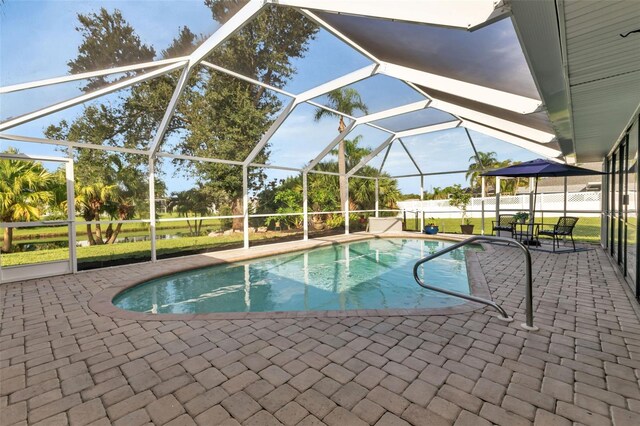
(371, 274)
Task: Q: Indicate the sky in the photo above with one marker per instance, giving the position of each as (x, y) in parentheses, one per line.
(38, 38)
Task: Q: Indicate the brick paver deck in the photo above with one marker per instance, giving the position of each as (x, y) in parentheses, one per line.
(61, 363)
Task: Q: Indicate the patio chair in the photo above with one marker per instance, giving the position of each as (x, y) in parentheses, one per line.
(564, 228)
(504, 223)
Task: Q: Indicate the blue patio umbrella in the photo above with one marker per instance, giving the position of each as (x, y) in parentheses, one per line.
(538, 168)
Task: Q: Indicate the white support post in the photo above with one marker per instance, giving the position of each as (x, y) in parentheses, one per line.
(421, 203)
(346, 209)
(152, 207)
(497, 198)
(566, 194)
(245, 205)
(305, 207)
(71, 212)
(482, 195)
(377, 207)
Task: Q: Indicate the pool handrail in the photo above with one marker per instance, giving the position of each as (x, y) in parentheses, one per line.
(504, 316)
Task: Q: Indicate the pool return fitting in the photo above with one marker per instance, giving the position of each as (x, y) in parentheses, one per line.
(503, 314)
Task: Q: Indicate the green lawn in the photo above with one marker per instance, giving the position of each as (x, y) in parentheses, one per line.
(136, 251)
(50, 232)
(587, 229)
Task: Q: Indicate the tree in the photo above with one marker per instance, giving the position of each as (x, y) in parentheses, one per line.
(108, 41)
(112, 183)
(460, 199)
(224, 117)
(483, 161)
(90, 202)
(488, 161)
(217, 115)
(347, 101)
(192, 201)
(25, 191)
(323, 189)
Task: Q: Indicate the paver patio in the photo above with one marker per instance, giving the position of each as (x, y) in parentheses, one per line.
(61, 363)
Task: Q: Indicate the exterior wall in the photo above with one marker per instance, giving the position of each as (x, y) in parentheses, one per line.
(620, 206)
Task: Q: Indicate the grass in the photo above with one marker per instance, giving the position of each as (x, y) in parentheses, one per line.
(50, 232)
(587, 229)
(135, 251)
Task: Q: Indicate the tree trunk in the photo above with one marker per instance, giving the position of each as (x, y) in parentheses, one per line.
(98, 238)
(108, 233)
(190, 229)
(237, 209)
(114, 234)
(8, 239)
(92, 241)
(342, 166)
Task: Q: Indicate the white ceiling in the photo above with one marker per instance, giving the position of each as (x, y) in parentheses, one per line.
(603, 71)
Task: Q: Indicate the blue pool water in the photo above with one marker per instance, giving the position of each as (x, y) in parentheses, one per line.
(373, 274)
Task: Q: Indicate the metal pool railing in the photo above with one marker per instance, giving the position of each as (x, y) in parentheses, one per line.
(503, 314)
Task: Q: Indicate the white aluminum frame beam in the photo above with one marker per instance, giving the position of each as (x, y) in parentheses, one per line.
(392, 112)
(345, 80)
(410, 156)
(272, 130)
(25, 118)
(429, 129)
(194, 158)
(399, 135)
(30, 139)
(495, 122)
(486, 95)
(234, 24)
(513, 139)
(371, 155)
(245, 78)
(338, 34)
(384, 159)
(329, 147)
(91, 74)
(475, 151)
(465, 14)
(168, 113)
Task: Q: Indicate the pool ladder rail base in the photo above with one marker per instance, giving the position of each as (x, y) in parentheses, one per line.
(528, 325)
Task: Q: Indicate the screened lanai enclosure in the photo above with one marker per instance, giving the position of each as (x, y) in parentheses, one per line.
(154, 130)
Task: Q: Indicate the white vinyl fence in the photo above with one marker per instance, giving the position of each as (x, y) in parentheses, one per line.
(585, 204)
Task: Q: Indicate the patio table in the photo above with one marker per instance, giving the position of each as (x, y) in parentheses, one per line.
(527, 233)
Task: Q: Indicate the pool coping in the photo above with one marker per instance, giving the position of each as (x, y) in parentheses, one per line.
(101, 303)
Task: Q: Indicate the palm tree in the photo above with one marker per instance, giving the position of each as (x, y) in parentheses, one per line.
(484, 160)
(24, 192)
(91, 201)
(193, 201)
(347, 101)
(353, 152)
